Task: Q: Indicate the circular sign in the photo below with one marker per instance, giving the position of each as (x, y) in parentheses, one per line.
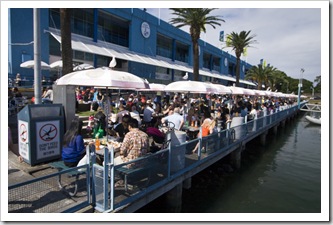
(23, 133)
(48, 132)
(145, 29)
(225, 62)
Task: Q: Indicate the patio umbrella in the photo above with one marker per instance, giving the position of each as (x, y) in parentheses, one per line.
(155, 87)
(84, 66)
(103, 77)
(56, 64)
(191, 87)
(31, 64)
(237, 90)
(221, 89)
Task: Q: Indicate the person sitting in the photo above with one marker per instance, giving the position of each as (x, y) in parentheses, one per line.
(122, 128)
(135, 114)
(175, 118)
(148, 113)
(207, 128)
(73, 149)
(99, 122)
(122, 112)
(135, 144)
(47, 96)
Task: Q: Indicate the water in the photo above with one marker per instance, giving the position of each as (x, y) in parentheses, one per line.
(282, 177)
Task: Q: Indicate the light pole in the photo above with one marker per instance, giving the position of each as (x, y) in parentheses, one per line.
(299, 88)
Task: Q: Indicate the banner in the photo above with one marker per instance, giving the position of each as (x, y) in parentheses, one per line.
(222, 36)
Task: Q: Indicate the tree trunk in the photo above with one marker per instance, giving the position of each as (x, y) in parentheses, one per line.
(66, 41)
(237, 71)
(195, 60)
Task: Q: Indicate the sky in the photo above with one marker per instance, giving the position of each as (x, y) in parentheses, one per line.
(287, 38)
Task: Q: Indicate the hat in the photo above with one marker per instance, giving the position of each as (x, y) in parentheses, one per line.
(149, 101)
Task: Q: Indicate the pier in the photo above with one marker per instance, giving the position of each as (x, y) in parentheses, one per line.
(167, 172)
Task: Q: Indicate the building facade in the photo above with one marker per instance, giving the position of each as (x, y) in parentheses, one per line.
(141, 44)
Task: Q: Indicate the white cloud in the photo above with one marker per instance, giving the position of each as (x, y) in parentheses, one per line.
(288, 38)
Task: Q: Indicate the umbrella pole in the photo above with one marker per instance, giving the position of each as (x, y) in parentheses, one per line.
(107, 113)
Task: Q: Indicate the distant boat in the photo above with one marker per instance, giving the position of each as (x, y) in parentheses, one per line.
(314, 110)
(313, 119)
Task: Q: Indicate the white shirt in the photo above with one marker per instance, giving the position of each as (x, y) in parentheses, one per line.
(147, 114)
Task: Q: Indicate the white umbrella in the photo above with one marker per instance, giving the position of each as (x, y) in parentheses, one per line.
(84, 66)
(56, 64)
(103, 77)
(237, 90)
(221, 89)
(190, 86)
(155, 87)
(31, 64)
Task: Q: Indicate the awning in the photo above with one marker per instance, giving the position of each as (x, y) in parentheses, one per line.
(84, 44)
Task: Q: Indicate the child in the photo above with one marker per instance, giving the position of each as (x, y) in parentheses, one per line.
(89, 128)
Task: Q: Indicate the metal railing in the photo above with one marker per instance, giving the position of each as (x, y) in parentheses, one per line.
(100, 185)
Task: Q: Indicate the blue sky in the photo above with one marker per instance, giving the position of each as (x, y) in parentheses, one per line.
(287, 38)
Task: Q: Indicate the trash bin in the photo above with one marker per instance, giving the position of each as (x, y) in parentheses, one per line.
(40, 132)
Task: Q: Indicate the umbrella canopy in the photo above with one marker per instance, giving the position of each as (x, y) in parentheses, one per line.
(56, 64)
(31, 64)
(84, 66)
(190, 86)
(155, 87)
(237, 90)
(221, 89)
(103, 77)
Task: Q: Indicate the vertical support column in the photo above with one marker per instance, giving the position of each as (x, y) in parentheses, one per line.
(263, 138)
(174, 199)
(275, 129)
(283, 123)
(235, 157)
(187, 183)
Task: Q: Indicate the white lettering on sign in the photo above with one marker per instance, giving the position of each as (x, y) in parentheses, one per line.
(48, 139)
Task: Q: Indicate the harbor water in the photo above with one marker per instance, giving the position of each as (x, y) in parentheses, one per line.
(284, 176)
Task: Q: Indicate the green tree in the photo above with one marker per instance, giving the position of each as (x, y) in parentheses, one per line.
(66, 41)
(197, 19)
(238, 43)
(318, 85)
(259, 74)
(276, 79)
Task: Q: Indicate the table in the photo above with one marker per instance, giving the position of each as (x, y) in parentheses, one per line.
(192, 132)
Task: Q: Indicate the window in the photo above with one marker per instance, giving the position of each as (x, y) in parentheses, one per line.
(216, 64)
(181, 52)
(164, 46)
(83, 22)
(206, 61)
(112, 29)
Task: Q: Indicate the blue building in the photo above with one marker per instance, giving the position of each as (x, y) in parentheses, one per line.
(141, 43)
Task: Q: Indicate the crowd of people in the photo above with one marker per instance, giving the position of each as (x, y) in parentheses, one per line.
(131, 118)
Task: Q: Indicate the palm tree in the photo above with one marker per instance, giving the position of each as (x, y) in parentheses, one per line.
(259, 74)
(196, 19)
(276, 77)
(66, 41)
(239, 42)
